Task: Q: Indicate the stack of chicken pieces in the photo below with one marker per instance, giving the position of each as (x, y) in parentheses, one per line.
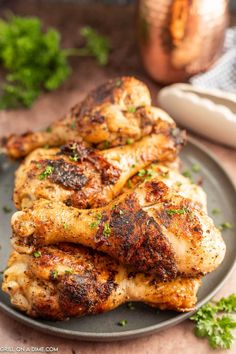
(104, 214)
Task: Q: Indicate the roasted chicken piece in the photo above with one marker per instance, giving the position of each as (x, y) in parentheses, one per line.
(151, 229)
(116, 111)
(170, 175)
(83, 177)
(67, 281)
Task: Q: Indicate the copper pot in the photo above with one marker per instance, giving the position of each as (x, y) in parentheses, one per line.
(180, 38)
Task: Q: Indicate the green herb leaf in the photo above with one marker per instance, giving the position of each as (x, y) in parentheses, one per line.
(54, 274)
(69, 271)
(73, 125)
(129, 141)
(129, 183)
(131, 109)
(130, 306)
(215, 211)
(142, 173)
(74, 158)
(106, 230)
(176, 211)
(32, 59)
(215, 327)
(96, 45)
(178, 184)
(6, 209)
(187, 173)
(93, 224)
(47, 172)
(106, 144)
(196, 168)
(65, 225)
(37, 254)
(225, 226)
(122, 323)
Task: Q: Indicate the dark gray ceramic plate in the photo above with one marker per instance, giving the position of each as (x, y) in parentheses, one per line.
(142, 320)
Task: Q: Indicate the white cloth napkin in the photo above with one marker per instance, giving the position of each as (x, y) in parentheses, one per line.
(222, 75)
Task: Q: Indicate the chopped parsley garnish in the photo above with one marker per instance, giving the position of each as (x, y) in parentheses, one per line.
(129, 183)
(73, 125)
(215, 211)
(187, 173)
(131, 109)
(106, 144)
(133, 166)
(177, 211)
(74, 157)
(94, 224)
(165, 174)
(225, 226)
(118, 82)
(49, 129)
(122, 323)
(37, 254)
(148, 173)
(129, 141)
(65, 225)
(6, 209)
(68, 271)
(142, 173)
(54, 274)
(196, 168)
(96, 45)
(213, 323)
(130, 306)
(179, 184)
(47, 172)
(106, 229)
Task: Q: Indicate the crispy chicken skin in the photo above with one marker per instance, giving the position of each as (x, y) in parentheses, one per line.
(68, 281)
(151, 229)
(114, 112)
(170, 175)
(84, 177)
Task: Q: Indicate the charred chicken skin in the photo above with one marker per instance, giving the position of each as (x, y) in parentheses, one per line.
(110, 115)
(68, 281)
(151, 229)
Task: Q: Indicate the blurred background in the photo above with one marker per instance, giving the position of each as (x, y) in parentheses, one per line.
(160, 42)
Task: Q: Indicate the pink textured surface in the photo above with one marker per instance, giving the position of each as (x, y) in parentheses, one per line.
(124, 60)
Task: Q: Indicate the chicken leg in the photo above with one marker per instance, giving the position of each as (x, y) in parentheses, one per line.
(83, 177)
(150, 228)
(116, 111)
(68, 281)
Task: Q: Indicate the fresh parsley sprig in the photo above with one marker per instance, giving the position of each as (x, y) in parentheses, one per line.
(212, 322)
(34, 60)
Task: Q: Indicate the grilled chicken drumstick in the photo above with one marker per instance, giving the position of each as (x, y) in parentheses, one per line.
(83, 177)
(68, 281)
(150, 228)
(111, 114)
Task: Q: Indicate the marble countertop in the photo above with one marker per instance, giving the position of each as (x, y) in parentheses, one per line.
(86, 75)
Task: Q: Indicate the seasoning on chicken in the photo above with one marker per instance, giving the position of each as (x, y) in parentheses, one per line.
(68, 281)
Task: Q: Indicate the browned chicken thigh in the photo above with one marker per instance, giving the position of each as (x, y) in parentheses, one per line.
(68, 281)
(115, 112)
(151, 229)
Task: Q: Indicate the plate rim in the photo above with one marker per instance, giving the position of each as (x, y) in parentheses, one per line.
(135, 333)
